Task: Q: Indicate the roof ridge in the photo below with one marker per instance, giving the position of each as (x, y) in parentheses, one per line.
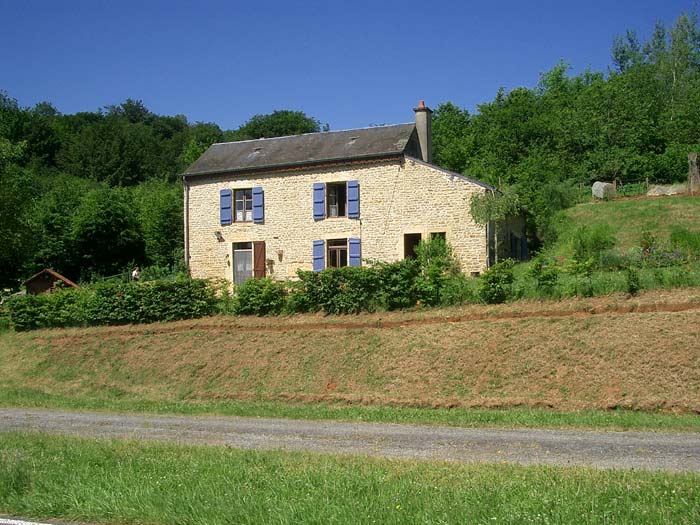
(314, 133)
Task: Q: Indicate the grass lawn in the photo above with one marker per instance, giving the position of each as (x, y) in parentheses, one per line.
(134, 482)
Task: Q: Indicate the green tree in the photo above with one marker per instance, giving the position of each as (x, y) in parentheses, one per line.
(105, 232)
(160, 218)
(277, 124)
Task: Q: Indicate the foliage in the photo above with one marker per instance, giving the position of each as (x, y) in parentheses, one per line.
(114, 302)
(346, 290)
(260, 297)
(276, 124)
(58, 174)
(638, 120)
(590, 242)
(545, 273)
(496, 283)
(437, 264)
(494, 206)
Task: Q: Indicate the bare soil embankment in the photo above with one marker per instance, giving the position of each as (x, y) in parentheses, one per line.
(640, 353)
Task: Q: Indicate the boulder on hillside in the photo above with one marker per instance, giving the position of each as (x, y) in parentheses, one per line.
(670, 189)
(604, 190)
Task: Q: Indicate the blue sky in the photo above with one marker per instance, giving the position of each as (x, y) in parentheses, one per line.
(350, 64)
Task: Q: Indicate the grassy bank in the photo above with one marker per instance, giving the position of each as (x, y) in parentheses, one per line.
(132, 482)
(600, 360)
(629, 218)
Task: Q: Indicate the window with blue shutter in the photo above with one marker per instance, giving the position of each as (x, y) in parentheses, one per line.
(258, 205)
(353, 199)
(319, 201)
(225, 207)
(355, 257)
(319, 261)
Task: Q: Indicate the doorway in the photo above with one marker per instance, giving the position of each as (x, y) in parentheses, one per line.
(410, 242)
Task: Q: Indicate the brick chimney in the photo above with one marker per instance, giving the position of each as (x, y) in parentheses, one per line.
(424, 126)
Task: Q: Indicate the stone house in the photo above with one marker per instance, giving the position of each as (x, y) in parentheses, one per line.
(270, 207)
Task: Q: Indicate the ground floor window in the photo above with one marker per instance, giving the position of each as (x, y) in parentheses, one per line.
(410, 243)
(337, 255)
(242, 262)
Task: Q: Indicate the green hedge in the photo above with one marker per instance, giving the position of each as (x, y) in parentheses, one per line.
(112, 303)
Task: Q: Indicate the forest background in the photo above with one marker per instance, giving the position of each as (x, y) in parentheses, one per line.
(91, 194)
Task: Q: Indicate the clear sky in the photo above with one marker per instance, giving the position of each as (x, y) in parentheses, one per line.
(350, 64)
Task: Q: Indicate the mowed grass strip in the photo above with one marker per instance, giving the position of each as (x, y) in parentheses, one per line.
(134, 482)
(613, 420)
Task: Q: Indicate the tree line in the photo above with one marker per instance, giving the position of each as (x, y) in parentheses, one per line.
(90, 193)
(638, 120)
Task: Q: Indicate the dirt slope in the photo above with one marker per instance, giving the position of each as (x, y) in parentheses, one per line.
(641, 352)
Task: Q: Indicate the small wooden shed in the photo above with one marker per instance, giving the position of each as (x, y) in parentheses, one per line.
(45, 282)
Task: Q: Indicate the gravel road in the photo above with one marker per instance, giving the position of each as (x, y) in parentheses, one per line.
(645, 450)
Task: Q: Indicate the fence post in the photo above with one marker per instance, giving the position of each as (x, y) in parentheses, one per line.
(693, 175)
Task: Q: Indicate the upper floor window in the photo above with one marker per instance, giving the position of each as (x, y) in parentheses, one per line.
(243, 205)
(336, 202)
(336, 199)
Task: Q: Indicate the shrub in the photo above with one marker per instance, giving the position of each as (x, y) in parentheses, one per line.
(591, 242)
(298, 300)
(397, 283)
(344, 290)
(545, 273)
(114, 302)
(259, 297)
(459, 289)
(437, 264)
(632, 280)
(495, 284)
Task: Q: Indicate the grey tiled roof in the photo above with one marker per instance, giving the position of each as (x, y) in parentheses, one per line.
(308, 149)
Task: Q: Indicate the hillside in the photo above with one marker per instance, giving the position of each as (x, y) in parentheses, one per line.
(627, 219)
(600, 353)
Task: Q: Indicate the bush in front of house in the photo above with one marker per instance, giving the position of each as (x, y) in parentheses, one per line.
(260, 297)
(114, 302)
(346, 290)
(496, 283)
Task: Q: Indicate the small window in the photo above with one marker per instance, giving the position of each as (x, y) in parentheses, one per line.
(337, 253)
(336, 199)
(410, 242)
(437, 235)
(244, 205)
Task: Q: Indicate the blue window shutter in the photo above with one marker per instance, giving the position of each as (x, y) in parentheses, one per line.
(355, 252)
(353, 199)
(319, 201)
(319, 259)
(225, 207)
(258, 205)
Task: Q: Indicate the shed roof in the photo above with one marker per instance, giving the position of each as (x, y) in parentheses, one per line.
(307, 149)
(54, 274)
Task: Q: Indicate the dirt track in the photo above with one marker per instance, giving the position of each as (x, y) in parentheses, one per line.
(639, 450)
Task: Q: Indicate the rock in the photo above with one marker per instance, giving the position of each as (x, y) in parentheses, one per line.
(604, 190)
(671, 189)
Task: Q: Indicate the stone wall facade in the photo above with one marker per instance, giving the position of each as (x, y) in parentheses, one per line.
(397, 197)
